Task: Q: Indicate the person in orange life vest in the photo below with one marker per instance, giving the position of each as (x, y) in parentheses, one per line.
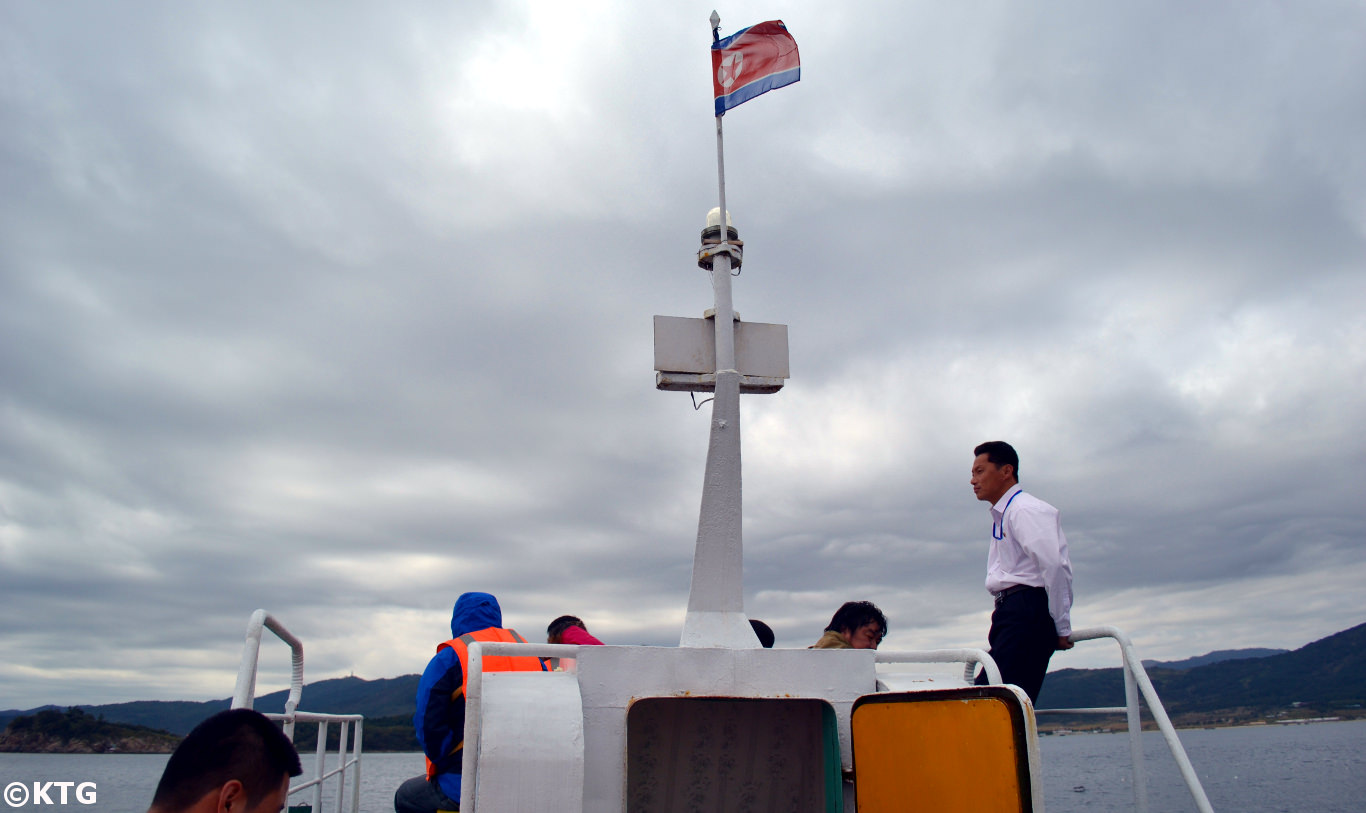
(440, 717)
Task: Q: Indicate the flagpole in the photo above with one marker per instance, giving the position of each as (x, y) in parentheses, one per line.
(725, 333)
(720, 145)
(716, 601)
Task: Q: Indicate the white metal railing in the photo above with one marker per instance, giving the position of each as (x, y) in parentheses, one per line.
(245, 692)
(348, 757)
(1136, 683)
(971, 658)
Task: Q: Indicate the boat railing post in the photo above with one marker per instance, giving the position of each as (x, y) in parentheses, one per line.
(342, 729)
(474, 694)
(1134, 671)
(355, 774)
(245, 690)
(321, 763)
(1135, 718)
(1164, 724)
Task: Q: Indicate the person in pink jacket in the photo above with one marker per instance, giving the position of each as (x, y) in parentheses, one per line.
(568, 629)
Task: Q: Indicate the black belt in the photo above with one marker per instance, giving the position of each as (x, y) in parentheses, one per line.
(1012, 590)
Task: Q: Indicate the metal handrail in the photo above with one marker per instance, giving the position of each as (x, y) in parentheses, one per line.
(970, 657)
(1136, 683)
(346, 760)
(244, 696)
(245, 691)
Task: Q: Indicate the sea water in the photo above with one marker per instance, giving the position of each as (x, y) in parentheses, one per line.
(1273, 768)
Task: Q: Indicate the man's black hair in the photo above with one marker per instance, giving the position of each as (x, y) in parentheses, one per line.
(564, 622)
(1000, 453)
(236, 744)
(854, 615)
(764, 631)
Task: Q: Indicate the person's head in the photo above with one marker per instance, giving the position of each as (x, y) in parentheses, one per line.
(474, 612)
(861, 623)
(237, 760)
(764, 632)
(995, 469)
(559, 625)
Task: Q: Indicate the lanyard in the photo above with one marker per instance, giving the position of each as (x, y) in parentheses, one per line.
(1001, 534)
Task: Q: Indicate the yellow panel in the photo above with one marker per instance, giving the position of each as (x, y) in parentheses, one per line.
(952, 754)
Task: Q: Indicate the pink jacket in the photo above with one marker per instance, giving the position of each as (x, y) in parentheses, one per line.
(579, 636)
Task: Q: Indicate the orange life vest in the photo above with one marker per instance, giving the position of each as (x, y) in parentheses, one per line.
(491, 663)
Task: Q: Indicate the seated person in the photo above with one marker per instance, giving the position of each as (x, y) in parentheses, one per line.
(235, 759)
(440, 717)
(569, 629)
(764, 632)
(855, 625)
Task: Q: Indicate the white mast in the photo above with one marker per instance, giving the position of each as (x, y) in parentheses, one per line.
(716, 604)
(721, 355)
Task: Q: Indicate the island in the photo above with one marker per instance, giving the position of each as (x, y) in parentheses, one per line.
(74, 731)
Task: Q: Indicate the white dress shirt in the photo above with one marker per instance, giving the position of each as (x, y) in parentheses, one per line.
(1033, 552)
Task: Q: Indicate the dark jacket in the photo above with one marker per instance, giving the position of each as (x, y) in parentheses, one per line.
(439, 720)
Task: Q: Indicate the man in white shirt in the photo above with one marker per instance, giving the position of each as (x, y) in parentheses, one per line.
(1028, 571)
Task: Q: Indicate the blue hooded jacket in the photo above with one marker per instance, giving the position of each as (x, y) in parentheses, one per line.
(439, 720)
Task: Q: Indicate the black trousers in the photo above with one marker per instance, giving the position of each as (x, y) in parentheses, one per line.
(1023, 639)
(418, 795)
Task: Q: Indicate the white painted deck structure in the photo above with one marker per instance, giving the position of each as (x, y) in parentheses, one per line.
(718, 723)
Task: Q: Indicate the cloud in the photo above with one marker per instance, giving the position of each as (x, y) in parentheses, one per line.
(340, 315)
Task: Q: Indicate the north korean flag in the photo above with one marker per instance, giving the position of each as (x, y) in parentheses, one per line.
(751, 62)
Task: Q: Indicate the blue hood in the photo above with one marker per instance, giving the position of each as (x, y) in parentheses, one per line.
(474, 612)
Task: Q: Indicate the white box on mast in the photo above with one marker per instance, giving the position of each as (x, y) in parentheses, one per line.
(685, 355)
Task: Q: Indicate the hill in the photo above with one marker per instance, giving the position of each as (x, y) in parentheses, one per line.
(386, 697)
(75, 732)
(1218, 656)
(1326, 676)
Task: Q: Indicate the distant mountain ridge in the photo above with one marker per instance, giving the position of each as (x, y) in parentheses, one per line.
(1328, 674)
(1218, 656)
(385, 697)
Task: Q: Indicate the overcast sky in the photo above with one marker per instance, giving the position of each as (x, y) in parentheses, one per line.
(342, 309)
